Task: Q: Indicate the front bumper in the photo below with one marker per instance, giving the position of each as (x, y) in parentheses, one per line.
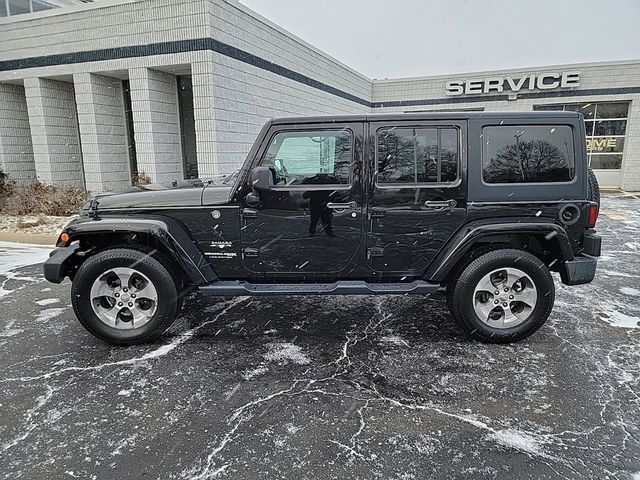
(57, 266)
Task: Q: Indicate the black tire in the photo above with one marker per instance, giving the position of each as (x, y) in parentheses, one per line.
(167, 305)
(461, 292)
(594, 188)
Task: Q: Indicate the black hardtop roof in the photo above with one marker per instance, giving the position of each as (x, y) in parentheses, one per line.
(395, 117)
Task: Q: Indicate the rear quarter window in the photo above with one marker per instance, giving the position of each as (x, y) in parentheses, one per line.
(527, 154)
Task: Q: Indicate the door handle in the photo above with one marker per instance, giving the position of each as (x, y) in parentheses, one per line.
(440, 204)
(341, 206)
(249, 213)
(377, 213)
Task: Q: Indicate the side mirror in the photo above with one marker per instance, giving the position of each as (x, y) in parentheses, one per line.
(261, 178)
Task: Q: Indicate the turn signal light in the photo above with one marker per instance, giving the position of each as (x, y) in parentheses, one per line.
(592, 214)
(64, 238)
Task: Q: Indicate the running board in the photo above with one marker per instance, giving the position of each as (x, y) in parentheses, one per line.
(343, 287)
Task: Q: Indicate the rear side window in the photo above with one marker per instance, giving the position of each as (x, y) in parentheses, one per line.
(528, 154)
(417, 155)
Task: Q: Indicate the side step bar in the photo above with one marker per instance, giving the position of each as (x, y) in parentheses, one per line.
(343, 287)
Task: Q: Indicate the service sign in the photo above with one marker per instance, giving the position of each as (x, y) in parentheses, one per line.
(513, 84)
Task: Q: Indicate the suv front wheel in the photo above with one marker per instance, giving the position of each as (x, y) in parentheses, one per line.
(125, 296)
(502, 296)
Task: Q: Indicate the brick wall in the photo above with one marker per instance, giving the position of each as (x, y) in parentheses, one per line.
(54, 131)
(631, 161)
(154, 101)
(103, 134)
(16, 152)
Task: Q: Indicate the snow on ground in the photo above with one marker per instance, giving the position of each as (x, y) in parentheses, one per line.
(47, 301)
(49, 313)
(619, 319)
(38, 224)
(284, 352)
(17, 255)
(519, 440)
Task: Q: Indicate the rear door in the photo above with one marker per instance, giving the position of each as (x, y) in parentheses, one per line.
(417, 195)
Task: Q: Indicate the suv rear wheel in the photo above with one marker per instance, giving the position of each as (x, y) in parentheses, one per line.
(124, 296)
(502, 296)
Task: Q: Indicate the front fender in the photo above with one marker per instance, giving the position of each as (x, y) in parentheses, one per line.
(463, 242)
(169, 233)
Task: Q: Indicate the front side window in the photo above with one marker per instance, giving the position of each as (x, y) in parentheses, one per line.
(319, 157)
(417, 155)
(527, 154)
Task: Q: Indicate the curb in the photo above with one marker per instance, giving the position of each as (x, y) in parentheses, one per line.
(34, 238)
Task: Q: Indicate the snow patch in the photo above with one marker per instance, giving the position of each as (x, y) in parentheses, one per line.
(393, 340)
(292, 429)
(630, 291)
(17, 255)
(285, 352)
(49, 313)
(255, 372)
(125, 393)
(513, 438)
(619, 319)
(47, 301)
(11, 332)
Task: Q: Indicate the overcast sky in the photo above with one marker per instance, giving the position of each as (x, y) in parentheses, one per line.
(402, 38)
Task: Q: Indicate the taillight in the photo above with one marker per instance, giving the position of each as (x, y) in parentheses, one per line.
(592, 214)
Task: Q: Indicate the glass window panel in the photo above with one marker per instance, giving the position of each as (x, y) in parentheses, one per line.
(397, 155)
(605, 144)
(411, 155)
(588, 125)
(320, 157)
(606, 162)
(17, 7)
(426, 149)
(39, 5)
(610, 127)
(449, 154)
(612, 110)
(586, 109)
(528, 154)
(3, 9)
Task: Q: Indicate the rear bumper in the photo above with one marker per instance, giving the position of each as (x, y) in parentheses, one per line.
(54, 268)
(592, 244)
(578, 271)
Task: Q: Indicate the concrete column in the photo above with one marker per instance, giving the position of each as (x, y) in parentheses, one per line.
(202, 80)
(54, 132)
(154, 103)
(103, 132)
(16, 151)
(631, 166)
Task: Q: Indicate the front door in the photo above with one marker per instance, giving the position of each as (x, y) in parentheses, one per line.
(309, 224)
(417, 194)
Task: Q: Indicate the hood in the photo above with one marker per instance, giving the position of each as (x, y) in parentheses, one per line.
(187, 193)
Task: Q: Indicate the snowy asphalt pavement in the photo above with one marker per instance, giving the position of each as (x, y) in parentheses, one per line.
(326, 387)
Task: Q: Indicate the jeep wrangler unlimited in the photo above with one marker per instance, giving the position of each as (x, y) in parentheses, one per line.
(481, 205)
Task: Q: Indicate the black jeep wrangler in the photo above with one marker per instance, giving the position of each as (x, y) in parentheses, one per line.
(482, 205)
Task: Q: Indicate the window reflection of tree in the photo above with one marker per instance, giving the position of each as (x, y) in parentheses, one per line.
(527, 161)
(413, 157)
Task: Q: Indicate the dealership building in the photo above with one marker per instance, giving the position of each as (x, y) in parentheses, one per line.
(94, 93)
